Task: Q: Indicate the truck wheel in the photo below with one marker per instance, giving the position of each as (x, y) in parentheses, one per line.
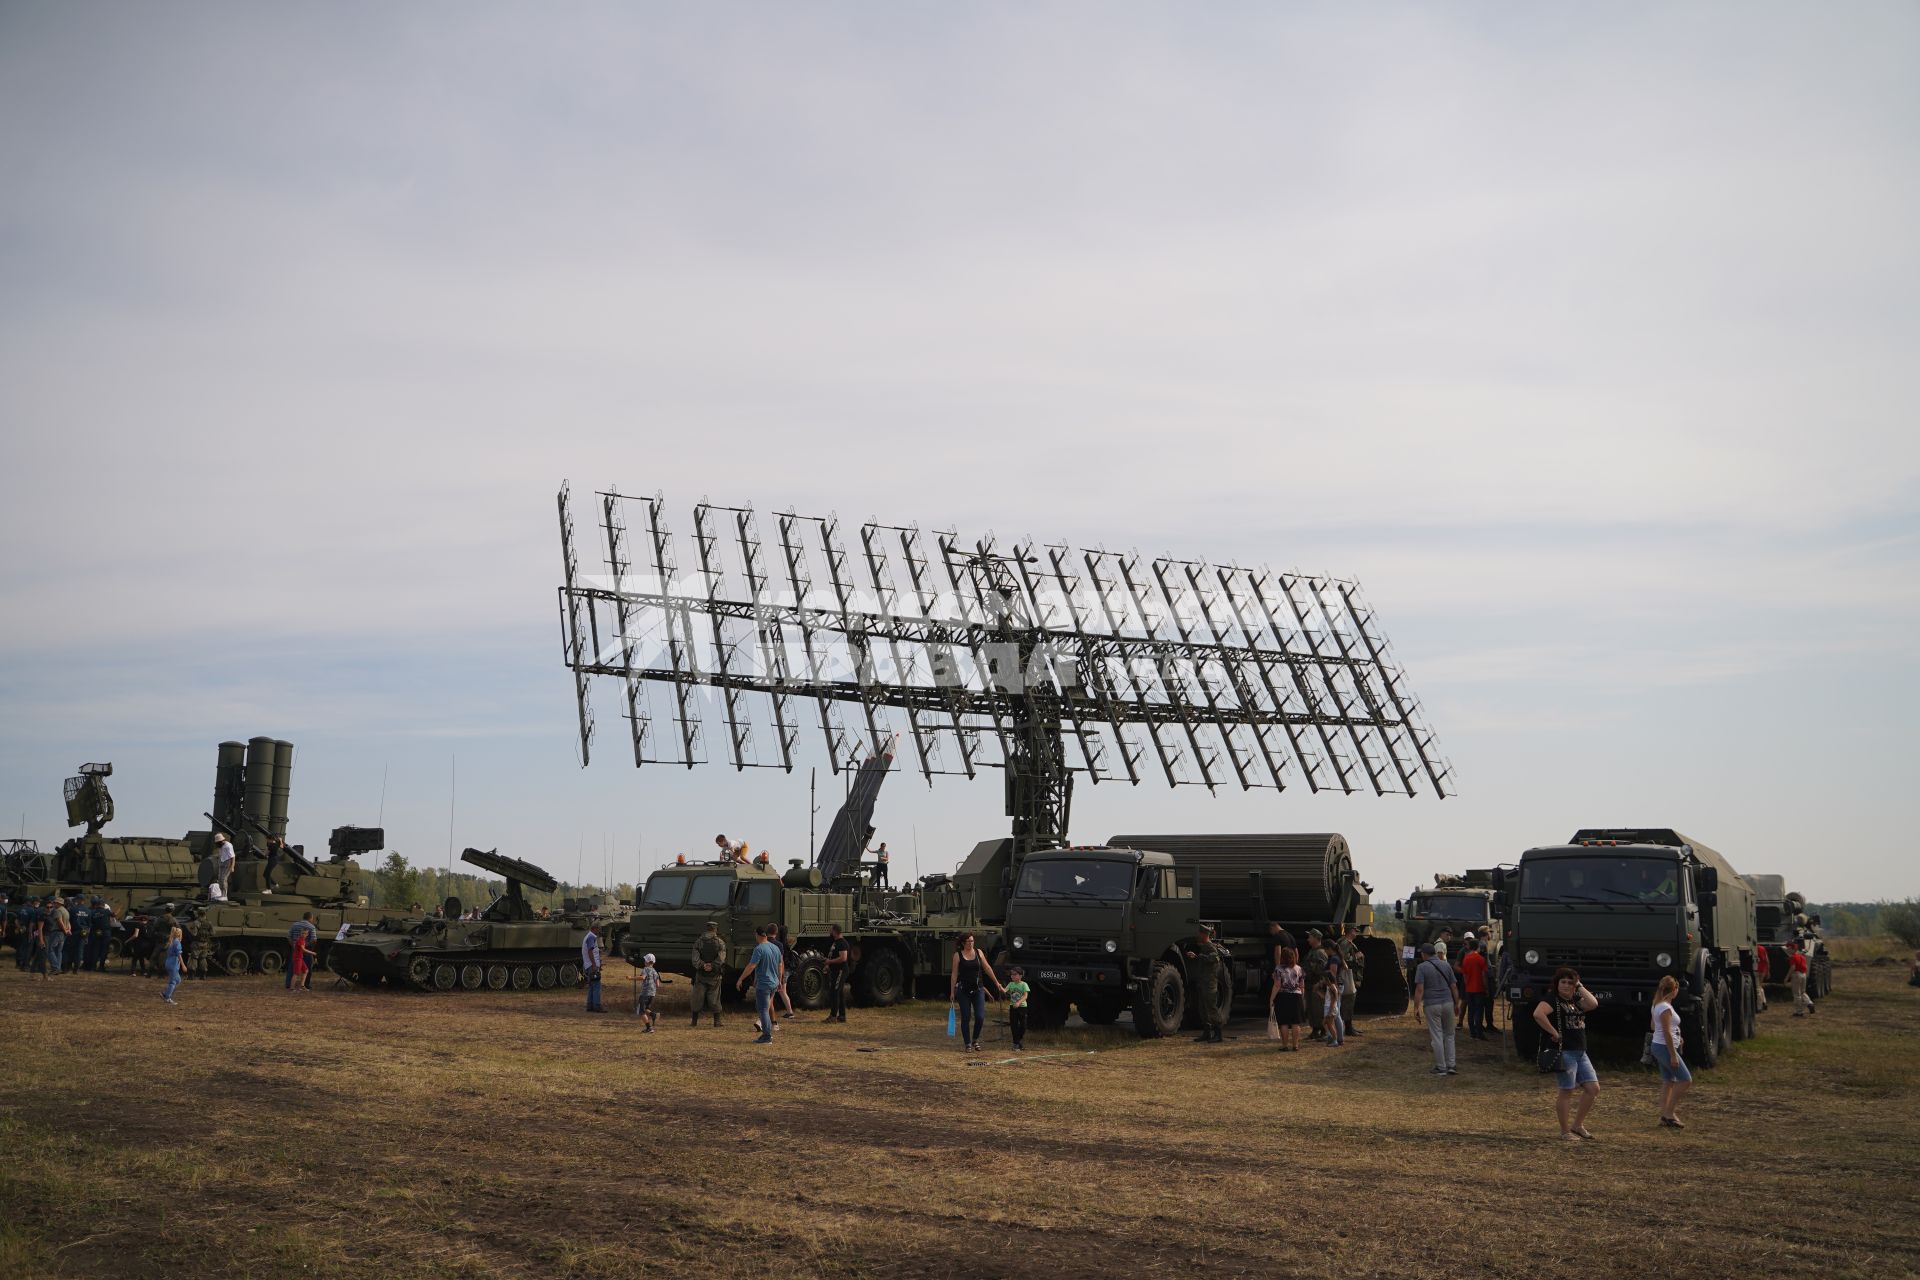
(1740, 995)
(1700, 1030)
(808, 986)
(1726, 1016)
(1100, 1011)
(1162, 1006)
(236, 961)
(1526, 1032)
(883, 979)
(1046, 1012)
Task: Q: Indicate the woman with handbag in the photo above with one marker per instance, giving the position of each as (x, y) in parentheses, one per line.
(1563, 1050)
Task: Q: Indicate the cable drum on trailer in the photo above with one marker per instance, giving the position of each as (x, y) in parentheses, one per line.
(1302, 876)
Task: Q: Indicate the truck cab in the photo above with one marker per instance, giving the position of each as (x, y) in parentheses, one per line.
(1088, 925)
(1459, 907)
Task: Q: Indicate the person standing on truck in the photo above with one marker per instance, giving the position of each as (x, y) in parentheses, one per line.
(222, 860)
(1204, 958)
(967, 990)
(1797, 981)
(729, 850)
(1473, 977)
(880, 858)
(1563, 1017)
(708, 968)
(838, 954)
(1434, 995)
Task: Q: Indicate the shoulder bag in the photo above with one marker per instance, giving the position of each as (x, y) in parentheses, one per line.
(1549, 1055)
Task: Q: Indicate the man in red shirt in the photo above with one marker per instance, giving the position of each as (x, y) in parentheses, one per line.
(1763, 972)
(1797, 981)
(1473, 976)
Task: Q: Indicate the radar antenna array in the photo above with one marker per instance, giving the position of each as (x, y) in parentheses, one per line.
(1045, 661)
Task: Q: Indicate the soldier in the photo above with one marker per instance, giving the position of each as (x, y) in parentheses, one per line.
(838, 956)
(709, 970)
(1204, 958)
(100, 937)
(199, 948)
(1315, 964)
(1354, 972)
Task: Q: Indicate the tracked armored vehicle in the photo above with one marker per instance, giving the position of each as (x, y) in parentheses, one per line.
(121, 870)
(508, 948)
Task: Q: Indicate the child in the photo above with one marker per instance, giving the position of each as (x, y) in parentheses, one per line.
(649, 988)
(1017, 991)
(1335, 1025)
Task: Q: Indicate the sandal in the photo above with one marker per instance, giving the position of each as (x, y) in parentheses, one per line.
(1581, 1132)
(1672, 1122)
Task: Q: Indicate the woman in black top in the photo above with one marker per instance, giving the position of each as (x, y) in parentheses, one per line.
(967, 988)
(1562, 1017)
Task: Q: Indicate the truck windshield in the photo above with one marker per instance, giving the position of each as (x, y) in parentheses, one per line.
(665, 891)
(1075, 878)
(1452, 906)
(1650, 880)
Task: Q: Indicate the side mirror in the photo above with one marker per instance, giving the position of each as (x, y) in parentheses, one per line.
(1399, 912)
(1709, 879)
(1710, 899)
(1499, 879)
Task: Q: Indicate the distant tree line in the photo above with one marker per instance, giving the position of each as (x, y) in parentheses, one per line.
(399, 884)
(1870, 919)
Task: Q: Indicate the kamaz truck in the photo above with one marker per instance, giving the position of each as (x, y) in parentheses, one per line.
(1104, 928)
(1464, 903)
(1626, 906)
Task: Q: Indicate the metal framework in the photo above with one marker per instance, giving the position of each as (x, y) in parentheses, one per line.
(1042, 660)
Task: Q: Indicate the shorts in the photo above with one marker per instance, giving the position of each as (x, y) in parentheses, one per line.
(1576, 1069)
(643, 1005)
(1673, 1068)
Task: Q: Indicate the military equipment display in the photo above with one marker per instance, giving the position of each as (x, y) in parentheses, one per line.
(510, 947)
(1464, 903)
(1783, 926)
(1626, 906)
(121, 870)
(1043, 661)
(1107, 928)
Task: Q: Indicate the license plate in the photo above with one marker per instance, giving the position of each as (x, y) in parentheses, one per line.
(1052, 975)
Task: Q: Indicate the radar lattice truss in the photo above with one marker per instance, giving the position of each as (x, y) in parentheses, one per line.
(1043, 661)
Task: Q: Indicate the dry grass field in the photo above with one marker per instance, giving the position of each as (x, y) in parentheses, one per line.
(355, 1133)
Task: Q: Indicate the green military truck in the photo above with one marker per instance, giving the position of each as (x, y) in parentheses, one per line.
(1104, 928)
(1464, 903)
(1784, 927)
(900, 940)
(1627, 906)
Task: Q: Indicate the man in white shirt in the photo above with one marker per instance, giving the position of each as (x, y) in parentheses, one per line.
(731, 851)
(223, 859)
(880, 864)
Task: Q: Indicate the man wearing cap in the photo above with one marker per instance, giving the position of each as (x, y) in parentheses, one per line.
(1353, 969)
(223, 861)
(1473, 980)
(1204, 958)
(648, 990)
(709, 970)
(1435, 993)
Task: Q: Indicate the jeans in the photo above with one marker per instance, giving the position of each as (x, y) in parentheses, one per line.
(173, 979)
(1576, 1069)
(1673, 1068)
(56, 950)
(763, 1005)
(593, 993)
(1479, 1013)
(1440, 1033)
(973, 1013)
(1017, 1023)
(837, 992)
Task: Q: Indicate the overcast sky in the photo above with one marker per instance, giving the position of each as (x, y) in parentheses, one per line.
(1585, 338)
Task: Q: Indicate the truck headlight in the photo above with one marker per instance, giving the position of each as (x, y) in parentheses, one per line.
(1019, 943)
(1112, 946)
(1663, 961)
(1532, 957)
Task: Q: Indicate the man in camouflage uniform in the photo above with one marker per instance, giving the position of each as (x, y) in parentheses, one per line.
(1314, 964)
(1204, 958)
(199, 947)
(1355, 973)
(709, 969)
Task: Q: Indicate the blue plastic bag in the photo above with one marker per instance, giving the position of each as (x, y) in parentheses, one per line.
(953, 1020)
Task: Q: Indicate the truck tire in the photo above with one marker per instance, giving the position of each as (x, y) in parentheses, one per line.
(1100, 1011)
(1047, 1012)
(1526, 1032)
(808, 983)
(883, 978)
(1161, 1008)
(1699, 1031)
(1726, 1016)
